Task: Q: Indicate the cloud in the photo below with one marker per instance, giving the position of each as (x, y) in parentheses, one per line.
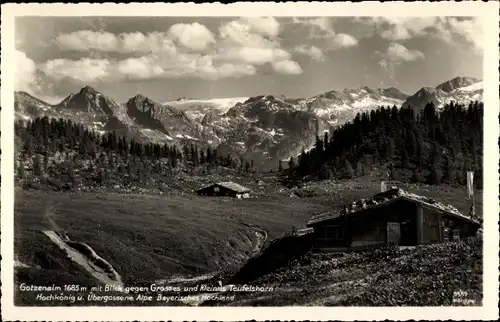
(470, 30)
(397, 32)
(28, 78)
(194, 36)
(287, 67)
(311, 51)
(449, 29)
(231, 70)
(144, 67)
(252, 55)
(152, 66)
(344, 41)
(400, 28)
(135, 42)
(250, 41)
(322, 28)
(240, 33)
(85, 70)
(26, 73)
(397, 54)
(84, 40)
(184, 50)
(264, 26)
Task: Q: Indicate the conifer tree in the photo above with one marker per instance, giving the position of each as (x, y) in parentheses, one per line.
(21, 173)
(102, 177)
(348, 170)
(450, 173)
(360, 169)
(416, 176)
(71, 174)
(325, 172)
(37, 165)
(121, 169)
(435, 175)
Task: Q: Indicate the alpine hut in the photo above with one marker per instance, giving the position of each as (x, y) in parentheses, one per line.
(392, 217)
(225, 189)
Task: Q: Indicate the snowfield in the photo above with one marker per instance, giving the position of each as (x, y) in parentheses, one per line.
(197, 109)
(471, 88)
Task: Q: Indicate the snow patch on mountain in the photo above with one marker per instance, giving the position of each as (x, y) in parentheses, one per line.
(473, 87)
(197, 109)
(461, 90)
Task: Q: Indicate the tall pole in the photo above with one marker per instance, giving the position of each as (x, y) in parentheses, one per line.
(470, 188)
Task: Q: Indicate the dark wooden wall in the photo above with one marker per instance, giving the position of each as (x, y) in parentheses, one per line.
(366, 229)
(222, 191)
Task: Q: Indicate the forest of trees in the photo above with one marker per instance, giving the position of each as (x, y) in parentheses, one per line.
(434, 147)
(78, 149)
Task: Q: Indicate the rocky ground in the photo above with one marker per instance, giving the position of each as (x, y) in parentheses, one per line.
(434, 275)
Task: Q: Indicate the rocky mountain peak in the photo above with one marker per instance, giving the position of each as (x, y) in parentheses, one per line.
(446, 92)
(88, 90)
(141, 103)
(456, 82)
(140, 99)
(90, 101)
(394, 92)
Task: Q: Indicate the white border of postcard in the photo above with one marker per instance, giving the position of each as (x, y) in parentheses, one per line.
(487, 11)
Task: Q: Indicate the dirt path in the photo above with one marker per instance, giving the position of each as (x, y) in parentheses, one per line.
(18, 263)
(86, 262)
(261, 237)
(259, 242)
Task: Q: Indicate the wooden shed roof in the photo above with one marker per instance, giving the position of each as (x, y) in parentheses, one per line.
(229, 185)
(384, 198)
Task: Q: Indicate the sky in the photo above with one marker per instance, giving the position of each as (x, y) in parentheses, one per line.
(165, 58)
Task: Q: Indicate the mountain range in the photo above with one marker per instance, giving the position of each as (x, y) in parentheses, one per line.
(262, 128)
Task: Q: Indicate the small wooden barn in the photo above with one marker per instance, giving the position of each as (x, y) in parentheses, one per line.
(225, 189)
(391, 217)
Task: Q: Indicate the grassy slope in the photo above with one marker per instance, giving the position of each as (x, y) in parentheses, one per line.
(151, 237)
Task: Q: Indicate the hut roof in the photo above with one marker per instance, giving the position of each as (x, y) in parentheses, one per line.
(385, 198)
(229, 185)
